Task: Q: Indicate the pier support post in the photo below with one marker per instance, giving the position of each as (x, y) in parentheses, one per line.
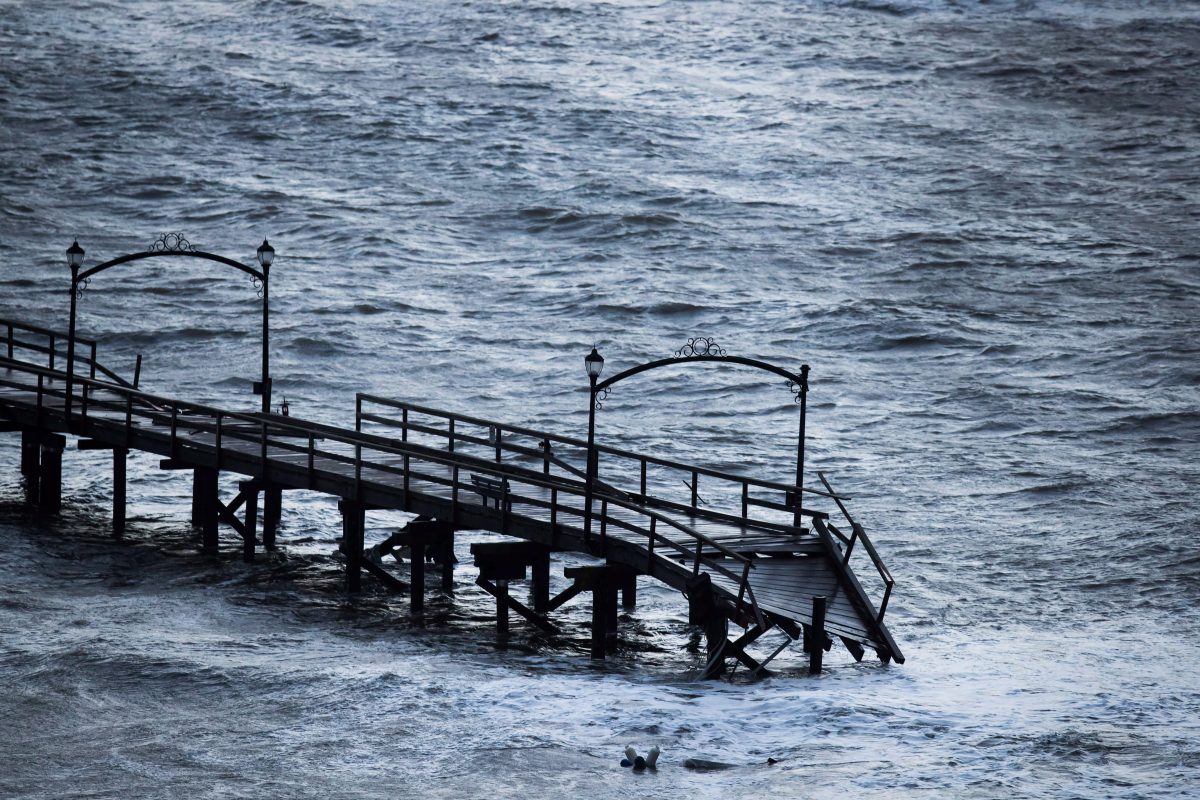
(599, 618)
(701, 603)
(250, 491)
(816, 636)
(447, 558)
(540, 586)
(416, 574)
(119, 456)
(272, 510)
(204, 506)
(30, 455)
(353, 524)
(31, 465)
(50, 474)
(629, 592)
(501, 606)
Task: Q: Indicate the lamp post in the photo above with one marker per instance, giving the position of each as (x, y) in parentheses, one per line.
(593, 363)
(266, 254)
(74, 261)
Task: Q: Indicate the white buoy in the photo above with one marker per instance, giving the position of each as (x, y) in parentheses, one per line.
(630, 753)
(652, 757)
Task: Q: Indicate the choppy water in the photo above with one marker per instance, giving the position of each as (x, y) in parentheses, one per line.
(976, 221)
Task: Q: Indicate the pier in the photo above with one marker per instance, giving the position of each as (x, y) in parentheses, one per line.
(749, 555)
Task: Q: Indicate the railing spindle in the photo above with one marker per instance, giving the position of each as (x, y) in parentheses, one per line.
(695, 483)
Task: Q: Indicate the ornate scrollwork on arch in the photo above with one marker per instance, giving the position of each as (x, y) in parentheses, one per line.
(701, 346)
(80, 286)
(170, 243)
(797, 390)
(601, 396)
(257, 284)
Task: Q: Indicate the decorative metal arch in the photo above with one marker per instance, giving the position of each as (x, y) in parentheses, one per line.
(705, 349)
(174, 245)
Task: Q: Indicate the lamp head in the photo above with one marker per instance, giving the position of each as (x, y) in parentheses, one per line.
(593, 362)
(75, 255)
(266, 254)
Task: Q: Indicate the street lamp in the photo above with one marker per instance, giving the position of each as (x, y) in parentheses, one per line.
(266, 254)
(74, 261)
(593, 363)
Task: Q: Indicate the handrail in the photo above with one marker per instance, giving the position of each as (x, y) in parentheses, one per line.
(355, 439)
(662, 462)
(12, 343)
(858, 532)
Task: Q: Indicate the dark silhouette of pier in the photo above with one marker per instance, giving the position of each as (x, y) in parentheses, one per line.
(749, 554)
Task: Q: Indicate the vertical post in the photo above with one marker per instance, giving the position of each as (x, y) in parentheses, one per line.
(266, 345)
(502, 605)
(599, 614)
(591, 459)
(540, 583)
(31, 465)
(71, 345)
(353, 522)
(118, 495)
(137, 370)
(816, 636)
(204, 505)
(629, 591)
(799, 499)
(272, 509)
(251, 523)
(416, 601)
(50, 485)
(30, 458)
(448, 563)
(92, 367)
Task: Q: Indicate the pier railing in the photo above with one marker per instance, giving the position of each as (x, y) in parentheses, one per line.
(21, 339)
(726, 496)
(275, 446)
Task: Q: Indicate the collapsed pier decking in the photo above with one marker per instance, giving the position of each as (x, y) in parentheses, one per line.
(737, 556)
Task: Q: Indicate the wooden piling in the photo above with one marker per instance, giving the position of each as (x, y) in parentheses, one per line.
(31, 446)
(31, 465)
(119, 457)
(417, 577)
(251, 523)
(629, 591)
(204, 506)
(447, 558)
(599, 620)
(541, 581)
(816, 636)
(353, 524)
(501, 606)
(272, 511)
(50, 474)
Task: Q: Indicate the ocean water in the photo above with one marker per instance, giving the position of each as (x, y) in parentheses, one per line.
(977, 222)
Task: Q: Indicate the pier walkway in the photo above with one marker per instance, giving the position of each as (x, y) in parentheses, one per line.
(727, 542)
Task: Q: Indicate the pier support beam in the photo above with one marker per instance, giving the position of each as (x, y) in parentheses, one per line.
(31, 465)
(50, 473)
(272, 511)
(501, 562)
(119, 457)
(204, 506)
(602, 581)
(249, 490)
(353, 528)
(816, 636)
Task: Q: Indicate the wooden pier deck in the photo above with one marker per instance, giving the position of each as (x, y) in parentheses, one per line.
(728, 542)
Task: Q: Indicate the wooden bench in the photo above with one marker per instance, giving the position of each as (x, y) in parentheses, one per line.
(492, 489)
